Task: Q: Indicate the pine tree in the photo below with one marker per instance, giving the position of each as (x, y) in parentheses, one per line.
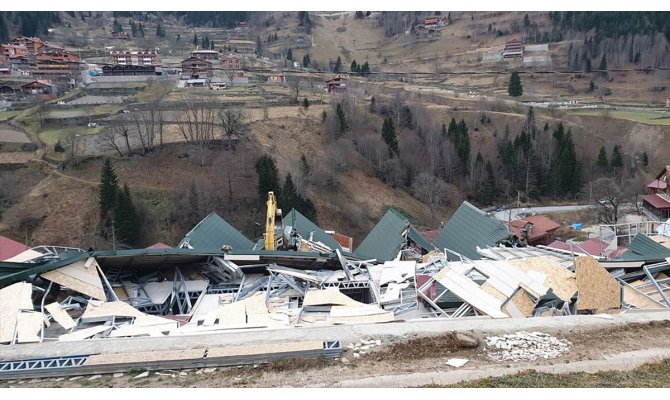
(602, 159)
(342, 123)
(645, 159)
(308, 210)
(268, 177)
(109, 185)
(289, 55)
(178, 37)
(603, 63)
(195, 39)
(133, 28)
(617, 158)
(126, 220)
(338, 65)
(141, 29)
(488, 192)
(514, 88)
(305, 60)
(373, 105)
(365, 69)
(353, 66)
(390, 137)
(305, 103)
(289, 195)
(160, 31)
(116, 26)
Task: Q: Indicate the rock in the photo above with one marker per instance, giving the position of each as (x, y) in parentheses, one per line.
(57, 379)
(467, 341)
(198, 372)
(118, 375)
(74, 378)
(94, 377)
(182, 373)
(345, 361)
(356, 355)
(378, 342)
(209, 370)
(142, 375)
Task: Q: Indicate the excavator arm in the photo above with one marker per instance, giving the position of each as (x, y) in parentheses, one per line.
(269, 236)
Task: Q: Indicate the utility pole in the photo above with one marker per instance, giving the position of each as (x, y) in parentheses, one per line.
(113, 236)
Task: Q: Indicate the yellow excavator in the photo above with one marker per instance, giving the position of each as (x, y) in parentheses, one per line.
(277, 236)
(272, 223)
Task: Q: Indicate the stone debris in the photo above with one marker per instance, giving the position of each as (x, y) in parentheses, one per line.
(74, 378)
(118, 375)
(525, 346)
(182, 373)
(209, 370)
(94, 377)
(457, 362)
(142, 375)
(345, 361)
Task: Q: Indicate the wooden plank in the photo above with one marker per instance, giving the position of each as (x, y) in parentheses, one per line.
(232, 314)
(60, 316)
(83, 334)
(522, 302)
(29, 326)
(149, 356)
(598, 290)
(561, 281)
(329, 296)
(488, 288)
(470, 292)
(79, 278)
(13, 299)
(638, 300)
(265, 348)
(512, 276)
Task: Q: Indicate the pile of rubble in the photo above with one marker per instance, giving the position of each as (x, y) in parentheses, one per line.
(525, 346)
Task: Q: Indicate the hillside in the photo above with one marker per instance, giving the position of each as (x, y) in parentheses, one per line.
(420, 83)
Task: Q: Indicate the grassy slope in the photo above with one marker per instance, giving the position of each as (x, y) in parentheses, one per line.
(653, 375)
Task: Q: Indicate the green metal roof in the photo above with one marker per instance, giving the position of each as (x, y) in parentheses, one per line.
(385, 240)
(304, 227)
(11, 272)
(468, 228)
(642, 248)
(212, 233)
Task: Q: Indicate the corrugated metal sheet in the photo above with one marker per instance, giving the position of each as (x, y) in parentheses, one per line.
(304, 227)
(214, 232)
(385, 240)
(642, 248)
(468, 228)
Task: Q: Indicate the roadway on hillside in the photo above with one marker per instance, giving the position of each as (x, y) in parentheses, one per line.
(504, 215)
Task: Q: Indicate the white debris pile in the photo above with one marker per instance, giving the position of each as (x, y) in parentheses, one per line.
(526, 346)
(363, 347)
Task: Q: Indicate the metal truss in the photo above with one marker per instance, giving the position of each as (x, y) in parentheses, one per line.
(42, 364)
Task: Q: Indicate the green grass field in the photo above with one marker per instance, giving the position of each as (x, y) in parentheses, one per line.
(51, 136)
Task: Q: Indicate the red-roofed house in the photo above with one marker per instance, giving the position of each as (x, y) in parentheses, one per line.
(593, 246)
(656, 203)
(534, 229)
(9, 248)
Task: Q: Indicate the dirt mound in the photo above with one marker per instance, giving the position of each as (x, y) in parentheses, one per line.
(429, 347)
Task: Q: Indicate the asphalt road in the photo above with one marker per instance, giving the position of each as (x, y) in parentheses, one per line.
(504, 215)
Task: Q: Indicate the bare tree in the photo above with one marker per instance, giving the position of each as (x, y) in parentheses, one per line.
(72, 143)
(233, 122)
(198, 122)
(108, 138)
(230, 74)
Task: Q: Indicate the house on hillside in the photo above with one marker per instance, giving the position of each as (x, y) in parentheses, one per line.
(656, 201)
(137, 58)
(205, 54)
(336, 85)
(533, 230)
(120, 35)
(276, 78)
(231, 62)
(39, 87)
(196, 68)
(513, 48)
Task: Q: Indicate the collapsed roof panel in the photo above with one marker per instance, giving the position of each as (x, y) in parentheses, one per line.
(386, 239)
(643, 248)
(213, 233)
(305, 227)
(469, 228)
